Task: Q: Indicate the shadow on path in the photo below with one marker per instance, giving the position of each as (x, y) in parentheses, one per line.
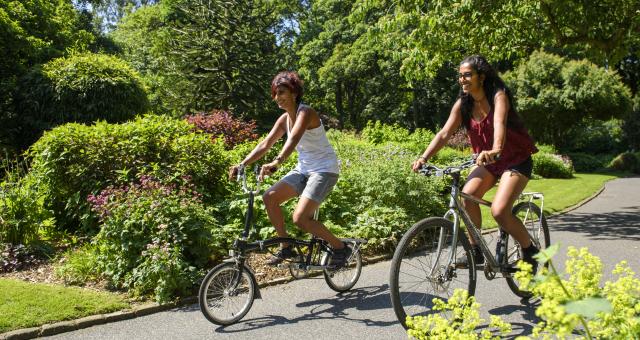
(615, 225)
(335, 307)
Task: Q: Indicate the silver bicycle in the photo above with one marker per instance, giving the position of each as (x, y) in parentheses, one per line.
(424, 263)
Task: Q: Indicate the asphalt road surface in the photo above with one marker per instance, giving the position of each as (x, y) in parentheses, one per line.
(609, 225)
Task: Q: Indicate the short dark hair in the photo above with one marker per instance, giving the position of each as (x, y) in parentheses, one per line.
(291, 80)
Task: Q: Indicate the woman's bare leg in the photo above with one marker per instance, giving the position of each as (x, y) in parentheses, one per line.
(273, 198)
(511, 185)
(478, 183)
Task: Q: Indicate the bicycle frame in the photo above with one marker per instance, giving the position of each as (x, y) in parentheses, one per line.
(457, 212)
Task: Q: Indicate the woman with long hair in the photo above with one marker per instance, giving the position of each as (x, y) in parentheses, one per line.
(485, 109)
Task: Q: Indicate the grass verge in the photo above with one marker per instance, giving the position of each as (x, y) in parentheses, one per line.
(24, 304)
(559, 194)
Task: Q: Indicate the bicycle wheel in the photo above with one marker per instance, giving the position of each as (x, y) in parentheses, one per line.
(345, 277)
(220, 301)
(421, 271)
(536, 225)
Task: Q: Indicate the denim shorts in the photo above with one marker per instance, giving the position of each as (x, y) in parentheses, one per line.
(525, 168)
(314, 186)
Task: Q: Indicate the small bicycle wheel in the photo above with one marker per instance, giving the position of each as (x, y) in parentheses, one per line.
(421, 269)
(536, 225)
(226, 296)
(345, 277)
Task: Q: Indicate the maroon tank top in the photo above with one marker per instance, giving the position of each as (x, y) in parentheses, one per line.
(518, 145)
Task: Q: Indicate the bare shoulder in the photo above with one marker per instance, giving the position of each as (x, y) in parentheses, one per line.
(500, 96)
(307, 110)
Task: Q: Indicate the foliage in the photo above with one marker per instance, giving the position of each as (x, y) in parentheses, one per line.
(552, 166)
(222, 123)
(204, 55)
(459, 320)
(78, 266)
(22, 211)
(32, 32)
(626, 161)
(17, 257)
(155, 237)
(554, 95)
(597, 137)
(74, 160)
(80, 88)
(586, 162)
(378, 133)
(578, 303)
(424, 36)
(376, 184)
(631, 126)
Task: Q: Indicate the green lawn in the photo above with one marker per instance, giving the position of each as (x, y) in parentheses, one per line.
(559, 194)
(24, 304)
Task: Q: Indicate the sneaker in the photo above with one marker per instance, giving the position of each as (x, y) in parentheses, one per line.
(281, 255)
(527, 256)
(478, 258)
(340, 257)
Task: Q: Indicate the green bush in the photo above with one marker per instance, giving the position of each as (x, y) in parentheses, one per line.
(631, 125)
(585, 162)
(22, 211)
(81, 88)
(155, 238)
(377, 185)
(78, 266)
(552, 166)
(73, 161)
(626, 161)
(379, 133)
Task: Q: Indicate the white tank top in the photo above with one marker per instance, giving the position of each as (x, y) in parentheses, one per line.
(315, 153)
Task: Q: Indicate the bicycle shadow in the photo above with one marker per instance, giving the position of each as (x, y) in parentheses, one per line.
(526, 309)
(330, 308)
(609, 226)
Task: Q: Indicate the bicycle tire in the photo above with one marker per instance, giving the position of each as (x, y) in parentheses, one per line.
(536, 224)
(222, 304)
(345, 277)
(418, 274)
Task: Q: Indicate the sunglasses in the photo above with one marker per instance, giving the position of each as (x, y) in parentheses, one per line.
(465, 75)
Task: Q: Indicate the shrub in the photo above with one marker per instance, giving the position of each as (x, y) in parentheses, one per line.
(81, 88)
(78, 266)
(222, 123)
(376, 184)
(626, 161)
(155, 237)
(552, 166)
(578, 303)
(631, 125)
(584, 162)
(379, 133)
(18, 257)
(463, 319)
(74, 160)
(22, 211)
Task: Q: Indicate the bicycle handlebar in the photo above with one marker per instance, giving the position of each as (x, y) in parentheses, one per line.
(430, 169)
(242, 177)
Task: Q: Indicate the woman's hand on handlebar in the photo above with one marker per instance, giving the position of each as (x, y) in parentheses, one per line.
(233, 172)
(418, 163)
(268, 169)
(487, 157)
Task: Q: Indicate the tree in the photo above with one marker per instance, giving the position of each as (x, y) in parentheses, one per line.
(202, 55)
(426, 35)
(555, 95)
(33, 32)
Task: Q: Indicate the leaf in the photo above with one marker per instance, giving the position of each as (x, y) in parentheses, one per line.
(589, 307)
(546, 254)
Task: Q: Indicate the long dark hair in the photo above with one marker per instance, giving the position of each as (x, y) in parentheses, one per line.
(492, 84)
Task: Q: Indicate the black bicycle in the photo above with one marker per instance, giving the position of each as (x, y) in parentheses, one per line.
(424, 263)
(228, 290)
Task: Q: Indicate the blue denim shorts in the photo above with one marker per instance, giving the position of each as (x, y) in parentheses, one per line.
(314, 186)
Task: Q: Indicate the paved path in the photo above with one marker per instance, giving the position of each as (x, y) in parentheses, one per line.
(609, 226)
